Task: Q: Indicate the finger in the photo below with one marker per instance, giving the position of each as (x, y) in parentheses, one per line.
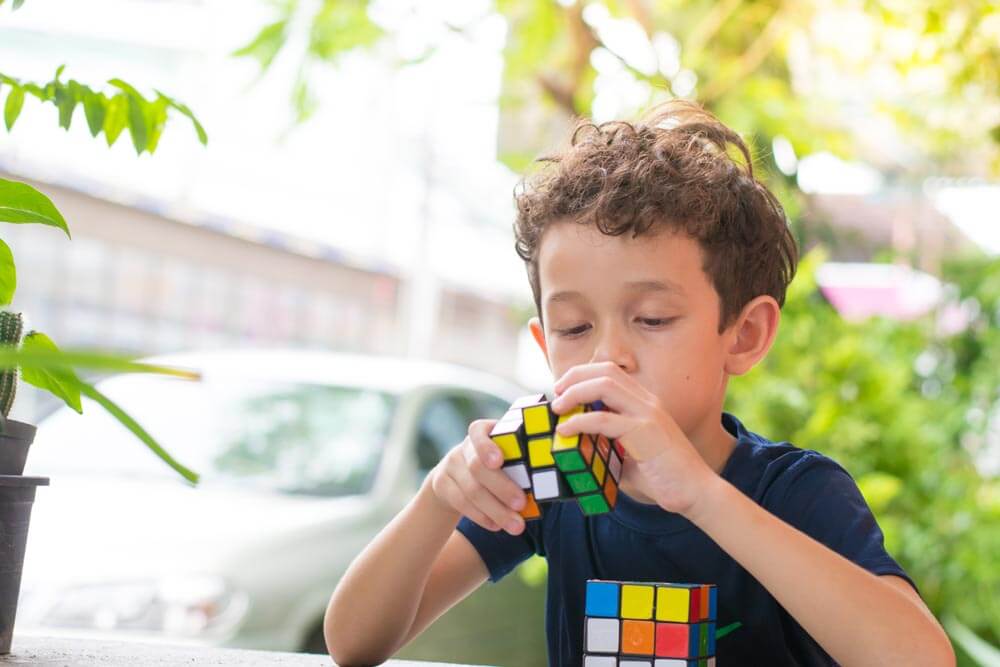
(497, 482)
(486, 450)
(484, 500)
(610, 425)
(585, 372)
(448, 489)
(603, 388)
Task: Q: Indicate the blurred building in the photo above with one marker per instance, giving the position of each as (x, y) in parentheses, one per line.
(382, 225)
(135, 280)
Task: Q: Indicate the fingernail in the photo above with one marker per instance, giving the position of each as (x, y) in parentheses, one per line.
(517, 503)
(494, 458)
(513, 526)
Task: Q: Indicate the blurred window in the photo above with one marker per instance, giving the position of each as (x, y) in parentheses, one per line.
(289, 438)
(445, 423)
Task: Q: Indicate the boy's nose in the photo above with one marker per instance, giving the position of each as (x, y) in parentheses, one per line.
(612, 346)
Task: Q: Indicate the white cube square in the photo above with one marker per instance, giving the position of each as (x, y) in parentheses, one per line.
(672, 662)
(546, 483)
(602, 635)
(615, 466)
(519, 473)
(600, 661)
(635, 663)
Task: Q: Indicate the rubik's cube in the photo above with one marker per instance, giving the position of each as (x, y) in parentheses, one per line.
(640, 624)
(550, 467)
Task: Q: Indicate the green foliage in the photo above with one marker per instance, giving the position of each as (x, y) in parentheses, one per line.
(335, 28)
(41, 363)
(20, 203)
(896, 403)
(8, 274)
(62, 382)
(109, 113)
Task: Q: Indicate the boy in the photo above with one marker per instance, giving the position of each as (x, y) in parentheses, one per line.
(658, 266)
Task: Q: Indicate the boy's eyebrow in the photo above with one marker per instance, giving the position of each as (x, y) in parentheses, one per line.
(655, 286)
(636, 286)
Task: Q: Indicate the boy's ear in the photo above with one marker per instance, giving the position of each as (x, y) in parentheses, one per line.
(752, 335)
(538, 333)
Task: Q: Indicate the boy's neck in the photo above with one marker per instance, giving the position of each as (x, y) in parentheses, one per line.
(711, 440)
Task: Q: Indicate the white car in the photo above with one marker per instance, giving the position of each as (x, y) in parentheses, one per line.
(304, 456)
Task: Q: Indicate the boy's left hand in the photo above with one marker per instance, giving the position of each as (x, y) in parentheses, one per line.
(674, 472)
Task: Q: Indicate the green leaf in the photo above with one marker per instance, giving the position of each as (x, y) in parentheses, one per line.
(98, 361)
(266, 45)
(156, 120)
(94, 107)
(116, 118)
(17, 4)
(137, 115)
(62, 383)
(202, 135)
(15, 100)
(21, 203)
(8, 274)
(115, 411)
(66, 99)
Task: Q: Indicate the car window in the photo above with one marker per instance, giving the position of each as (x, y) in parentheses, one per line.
(445, 423)
(291, 438)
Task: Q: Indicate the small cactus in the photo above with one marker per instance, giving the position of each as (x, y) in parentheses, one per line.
(11, 327)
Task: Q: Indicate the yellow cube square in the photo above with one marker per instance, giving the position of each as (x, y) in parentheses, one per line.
(637, 601)
(561, 442)
(599, 468)
(508, 445)
(504, 434)
(537, 419)
(540, 452)
(673, 604)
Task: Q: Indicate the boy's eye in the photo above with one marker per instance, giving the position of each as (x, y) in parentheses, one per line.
(655, 321)
(573, 331)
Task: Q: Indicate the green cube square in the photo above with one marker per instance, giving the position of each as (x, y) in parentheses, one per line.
(582, 482)
(570, 460)
(703, 639)
(593, 504)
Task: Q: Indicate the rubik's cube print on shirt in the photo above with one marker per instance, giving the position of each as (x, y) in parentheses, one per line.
(551, 467)
(641, 624)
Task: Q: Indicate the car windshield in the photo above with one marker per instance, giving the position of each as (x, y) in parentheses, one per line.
(291, 438)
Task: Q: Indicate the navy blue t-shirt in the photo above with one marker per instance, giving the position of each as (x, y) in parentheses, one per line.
(642, 542)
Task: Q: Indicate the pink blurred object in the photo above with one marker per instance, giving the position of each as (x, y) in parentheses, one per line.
(860, 290)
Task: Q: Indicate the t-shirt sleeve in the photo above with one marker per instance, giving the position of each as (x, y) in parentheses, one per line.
(501, 551)
(821, 499)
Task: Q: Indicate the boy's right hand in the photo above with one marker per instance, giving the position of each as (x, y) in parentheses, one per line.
(469, 479)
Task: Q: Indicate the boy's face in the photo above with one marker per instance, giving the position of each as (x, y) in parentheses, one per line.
(643, 303)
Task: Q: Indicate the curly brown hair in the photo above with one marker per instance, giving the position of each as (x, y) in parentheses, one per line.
(673, 170)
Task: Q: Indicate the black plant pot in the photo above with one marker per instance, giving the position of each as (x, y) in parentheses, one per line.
(17, 493)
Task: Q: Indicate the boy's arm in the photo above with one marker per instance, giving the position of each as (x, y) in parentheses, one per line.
(411, 573)
(859, 618)
(418, 566)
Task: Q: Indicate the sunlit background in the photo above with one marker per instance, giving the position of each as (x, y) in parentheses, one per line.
(354, 196)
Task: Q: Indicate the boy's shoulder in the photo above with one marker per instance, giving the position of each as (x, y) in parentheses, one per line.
(772, 472)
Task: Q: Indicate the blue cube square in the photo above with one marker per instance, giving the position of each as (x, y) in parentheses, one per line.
(602, 599)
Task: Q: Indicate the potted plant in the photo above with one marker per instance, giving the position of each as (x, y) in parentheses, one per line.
(34, 357)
